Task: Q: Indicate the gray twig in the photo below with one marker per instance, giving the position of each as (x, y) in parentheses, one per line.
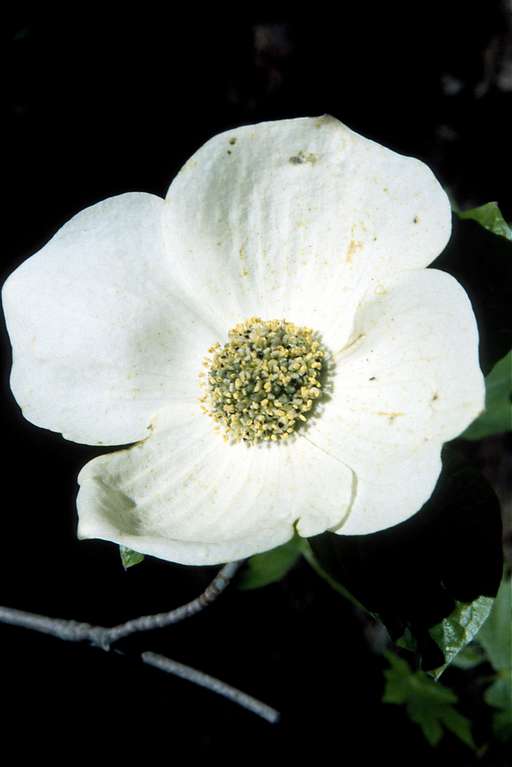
(104, 637)
(72, 631)
(149, 622)
(215, 685)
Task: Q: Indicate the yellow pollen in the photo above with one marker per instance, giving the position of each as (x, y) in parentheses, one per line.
(264, 382)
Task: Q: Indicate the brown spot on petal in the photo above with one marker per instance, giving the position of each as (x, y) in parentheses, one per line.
(303, 157)
(391, 415)
(353, 247)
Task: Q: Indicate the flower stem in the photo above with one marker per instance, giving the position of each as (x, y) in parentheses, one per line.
(310, 558)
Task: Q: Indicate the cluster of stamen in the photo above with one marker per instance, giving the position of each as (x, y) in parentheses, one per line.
(263, 383)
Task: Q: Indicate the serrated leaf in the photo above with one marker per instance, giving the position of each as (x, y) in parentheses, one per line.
(458, 724)
(490, 217)
(271, 566)
(129, 558)
(430, 725)
(497, 417)
(429, 704)
(453, 633)
(398, 683)
(496, 635)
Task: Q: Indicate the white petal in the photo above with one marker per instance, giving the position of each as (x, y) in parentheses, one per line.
(100, 338)
(186, 496)
(390, 487)
(296, 218)
(410, 382)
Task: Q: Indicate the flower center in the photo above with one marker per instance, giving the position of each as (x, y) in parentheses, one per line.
(264, 382)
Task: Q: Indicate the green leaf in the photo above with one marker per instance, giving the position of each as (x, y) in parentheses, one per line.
(489, 216)
(429, 704)
(271, 566)
(497, 417)
(458, 724)
(499, 695)
(407, 641)
(398, 683)
(496, 639)
(430, 725)
(129, 558)
(502, 724)
(453, 633)
(469, 657)
(496, 635)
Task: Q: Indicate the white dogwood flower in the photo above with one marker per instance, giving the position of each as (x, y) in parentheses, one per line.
(287, 264)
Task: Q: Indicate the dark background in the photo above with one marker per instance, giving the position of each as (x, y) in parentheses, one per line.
(100, 106)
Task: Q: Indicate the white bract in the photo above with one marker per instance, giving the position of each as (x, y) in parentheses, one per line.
(297, 221)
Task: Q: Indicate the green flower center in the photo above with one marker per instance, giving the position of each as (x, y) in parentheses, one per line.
(264, 382)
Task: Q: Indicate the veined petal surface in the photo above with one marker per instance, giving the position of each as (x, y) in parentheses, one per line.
(409, 382)
(187, 496)
(101, 339)
(296, 218)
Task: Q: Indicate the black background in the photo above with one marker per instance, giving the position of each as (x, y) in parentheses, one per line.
(100, 106)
